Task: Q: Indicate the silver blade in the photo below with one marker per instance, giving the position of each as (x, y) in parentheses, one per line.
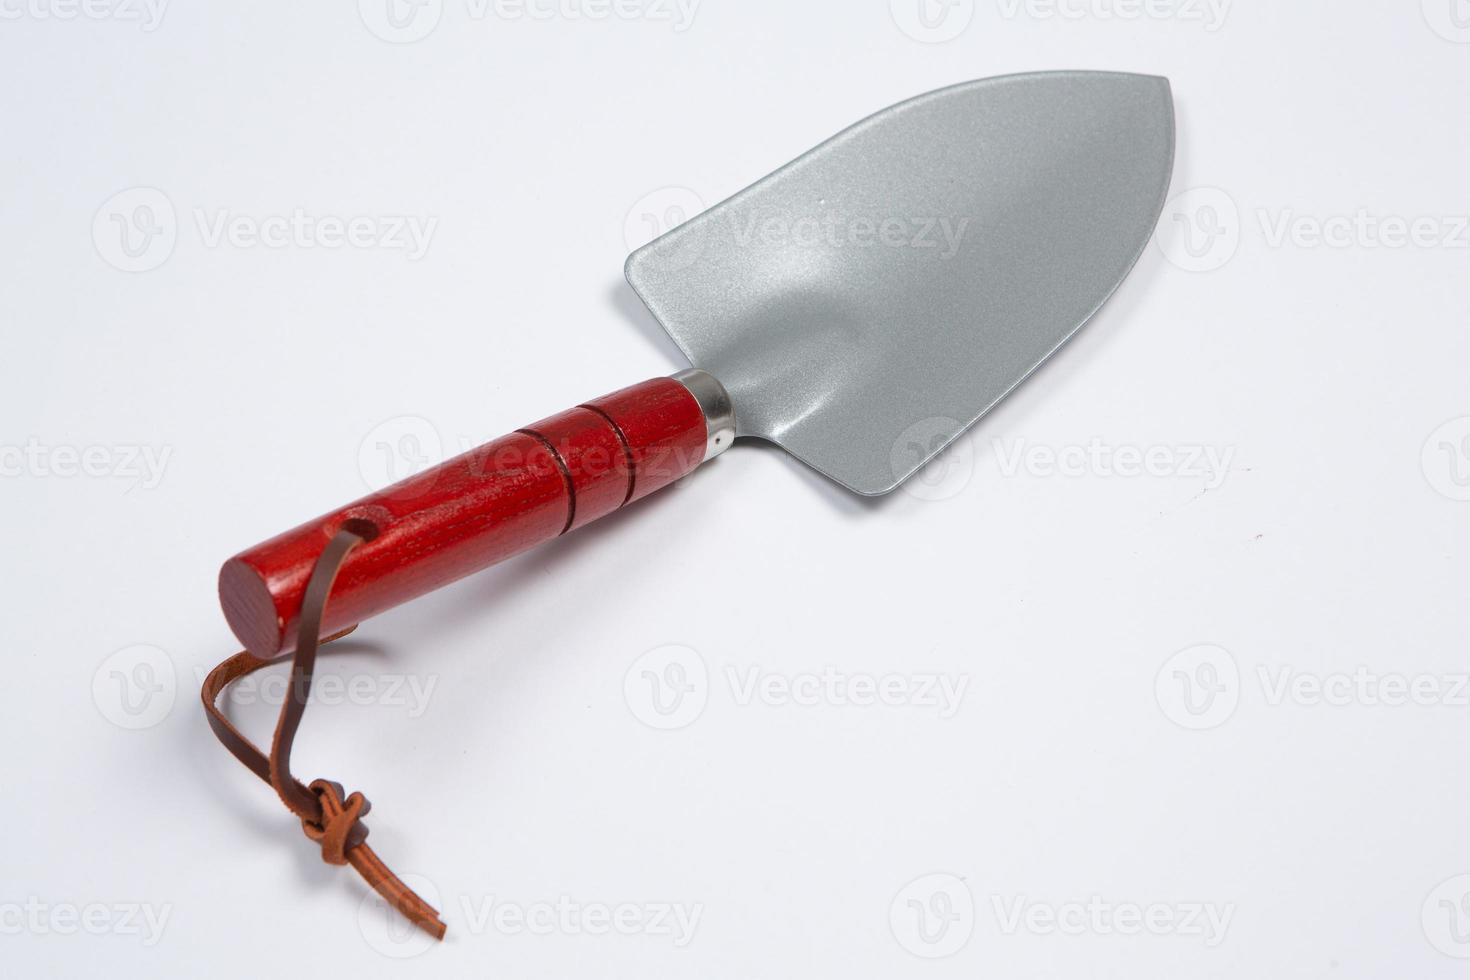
(872, 299)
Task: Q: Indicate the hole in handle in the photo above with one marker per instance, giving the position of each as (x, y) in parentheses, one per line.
(361, 526)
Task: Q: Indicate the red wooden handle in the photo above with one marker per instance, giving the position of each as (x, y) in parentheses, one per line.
(470, 512)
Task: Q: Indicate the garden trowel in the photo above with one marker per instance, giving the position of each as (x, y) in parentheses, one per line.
(859, 307)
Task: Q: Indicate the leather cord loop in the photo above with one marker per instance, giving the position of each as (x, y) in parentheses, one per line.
(329, 816)
(338, 829)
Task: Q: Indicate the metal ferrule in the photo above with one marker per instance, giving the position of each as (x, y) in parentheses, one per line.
(719, 410)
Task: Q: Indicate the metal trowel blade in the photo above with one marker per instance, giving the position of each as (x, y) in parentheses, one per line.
(872, 299)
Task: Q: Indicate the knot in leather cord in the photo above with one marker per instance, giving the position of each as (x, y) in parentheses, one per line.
(328, 817)
(337, 830)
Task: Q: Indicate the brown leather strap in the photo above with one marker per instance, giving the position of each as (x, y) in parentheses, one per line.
(329, 817)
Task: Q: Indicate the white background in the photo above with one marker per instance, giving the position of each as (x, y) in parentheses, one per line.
(1121, 736)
